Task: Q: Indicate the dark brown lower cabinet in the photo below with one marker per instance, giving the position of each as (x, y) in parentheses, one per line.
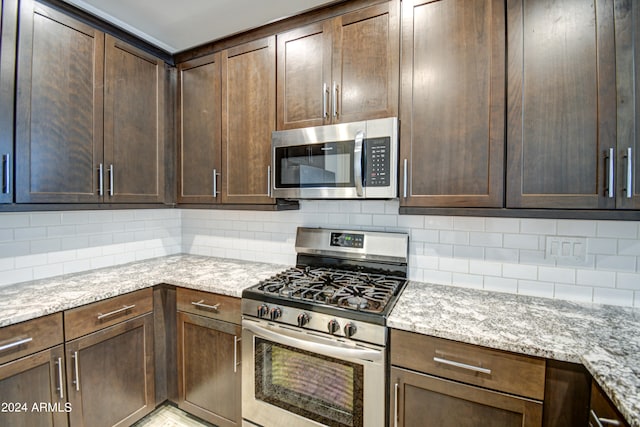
(209, 369)
(32, 390)
(423, 400)
(110, 374)
(602, 412)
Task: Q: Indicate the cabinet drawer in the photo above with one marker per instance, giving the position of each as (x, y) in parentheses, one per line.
(29, 337)
(206, 304)
(92, 317)
(471, 364)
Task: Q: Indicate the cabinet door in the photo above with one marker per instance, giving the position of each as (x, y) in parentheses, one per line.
(561, 115)
(200, 122)
(59, 108)
(110, 374)
(627, 27)
(304, 72)
(8, 26)
(248, 118)
(34, 391)
(452, 115)
(133, 124)
(209, 369)
(365, 64)
(420, 400)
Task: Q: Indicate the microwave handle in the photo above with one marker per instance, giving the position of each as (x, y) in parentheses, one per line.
(357, 163)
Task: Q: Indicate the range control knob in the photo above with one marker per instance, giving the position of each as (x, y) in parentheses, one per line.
(303, 319)
(350, 330)
(263, 310)
(333, 326)
(276, 313)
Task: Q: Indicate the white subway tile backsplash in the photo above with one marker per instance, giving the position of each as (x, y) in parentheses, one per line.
(617, 229)
(535, 288)
(502, 225)
(538, 226)
(602, 279)
(502, 254)
(573, 293)
(628, 281)
(613, 296)
(556, 274)
(500, 284)
(567, 227)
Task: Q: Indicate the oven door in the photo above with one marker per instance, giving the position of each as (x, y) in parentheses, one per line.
(293, 377)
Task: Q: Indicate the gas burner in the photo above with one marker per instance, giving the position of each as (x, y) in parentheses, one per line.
(358, 303)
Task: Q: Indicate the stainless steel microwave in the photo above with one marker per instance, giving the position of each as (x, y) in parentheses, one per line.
(357, 160)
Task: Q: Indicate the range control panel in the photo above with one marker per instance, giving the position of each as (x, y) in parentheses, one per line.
(347, 240)
(378, 155)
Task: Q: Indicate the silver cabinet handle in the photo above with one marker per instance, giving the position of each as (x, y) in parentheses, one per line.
(76, 370)
(335, 99)
(114, 312)
(111, 180)
(357, 162)
(15, 343)
(609, 189)
(629, 188)
(395, 406)
(236, 340)
(269, 181)
(6, 164)
(215, 182)
(601, 422)
(101, 180)
(462, 365)
(325, 93)
(60, 378)
(404, 181)
(200, 304)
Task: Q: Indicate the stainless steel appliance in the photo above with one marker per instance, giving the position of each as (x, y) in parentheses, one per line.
(314, 336)
(355, 160)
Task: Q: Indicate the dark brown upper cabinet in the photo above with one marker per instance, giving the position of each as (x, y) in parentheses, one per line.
(59, 108)
(227, 104)
(340, 70)
(453, 102)
(561, 116)
(627, 28)
(248, 119)
(200, 124)
(8, 28)
(134, 132)
(90, 114)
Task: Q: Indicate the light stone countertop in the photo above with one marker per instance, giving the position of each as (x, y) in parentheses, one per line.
(605, 339)
(28, 300)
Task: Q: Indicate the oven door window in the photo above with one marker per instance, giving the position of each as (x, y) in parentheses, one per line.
(327, 165)
(317, 387)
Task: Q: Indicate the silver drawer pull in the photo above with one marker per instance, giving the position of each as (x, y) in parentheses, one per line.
(76, 371)
(601, 422)
(114, 312)
(201, 304)
(60, 378)
(16, 343)
(236, 340)
(462, 365)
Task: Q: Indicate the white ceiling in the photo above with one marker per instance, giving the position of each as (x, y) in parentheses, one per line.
(176, 25)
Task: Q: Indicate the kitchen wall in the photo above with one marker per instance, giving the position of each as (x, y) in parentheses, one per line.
(43, 244)
(500, 254)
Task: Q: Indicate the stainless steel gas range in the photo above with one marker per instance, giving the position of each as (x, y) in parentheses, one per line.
(314, 336)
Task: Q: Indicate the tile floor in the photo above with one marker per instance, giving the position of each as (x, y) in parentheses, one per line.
(170, 416)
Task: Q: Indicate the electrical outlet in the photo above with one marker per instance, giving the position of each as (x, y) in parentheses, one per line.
(566, 248)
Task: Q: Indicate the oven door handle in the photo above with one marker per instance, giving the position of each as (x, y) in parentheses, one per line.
(314, 345)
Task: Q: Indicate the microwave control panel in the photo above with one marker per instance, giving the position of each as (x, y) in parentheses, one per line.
(378, 159)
